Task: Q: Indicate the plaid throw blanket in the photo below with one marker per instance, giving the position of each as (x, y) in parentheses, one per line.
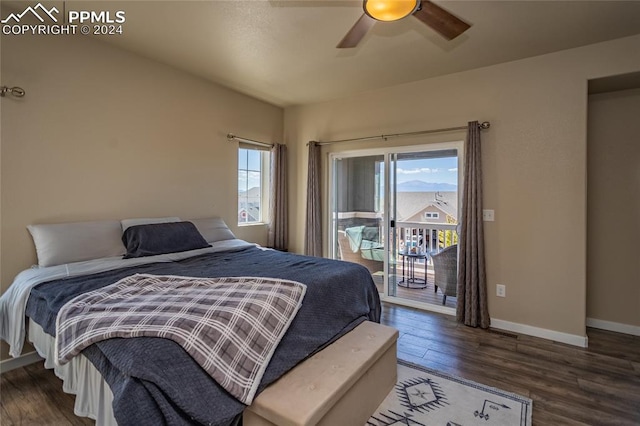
(229, 326)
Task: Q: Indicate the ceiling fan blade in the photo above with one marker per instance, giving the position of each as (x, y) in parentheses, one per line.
(446, 24)
(357, 32)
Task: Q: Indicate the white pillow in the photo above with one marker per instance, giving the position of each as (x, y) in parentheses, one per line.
(57, 244)
(126, 223)
(213, 229)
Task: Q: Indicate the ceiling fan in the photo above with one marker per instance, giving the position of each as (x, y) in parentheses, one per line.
(443, 22)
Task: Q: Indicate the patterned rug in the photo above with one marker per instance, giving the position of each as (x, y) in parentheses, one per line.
(424, 397)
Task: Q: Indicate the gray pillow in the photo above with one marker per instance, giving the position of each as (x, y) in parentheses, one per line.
(146, 221)
(213, 229)
(161, 238)
(57, 244)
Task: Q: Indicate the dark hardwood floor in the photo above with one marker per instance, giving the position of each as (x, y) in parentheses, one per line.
(32, 395)
(569, 385)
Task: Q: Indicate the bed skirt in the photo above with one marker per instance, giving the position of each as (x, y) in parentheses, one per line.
(80, 378)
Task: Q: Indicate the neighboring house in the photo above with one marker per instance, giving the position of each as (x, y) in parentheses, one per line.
(432, 207)
(250, 214)
(249, 205)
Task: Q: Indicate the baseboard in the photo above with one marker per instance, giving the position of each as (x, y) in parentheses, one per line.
(419, 305)
(556, 336)
(614, 326)
(21, 361)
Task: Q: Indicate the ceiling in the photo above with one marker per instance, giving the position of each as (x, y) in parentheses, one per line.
(284, 52)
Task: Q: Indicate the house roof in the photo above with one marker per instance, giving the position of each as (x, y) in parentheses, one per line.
(409, 204)
(284, 51)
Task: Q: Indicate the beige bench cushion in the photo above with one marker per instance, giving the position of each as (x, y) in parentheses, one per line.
(342, 384)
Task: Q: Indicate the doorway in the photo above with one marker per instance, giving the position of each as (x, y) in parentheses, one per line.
(613, 191)
(392, 210)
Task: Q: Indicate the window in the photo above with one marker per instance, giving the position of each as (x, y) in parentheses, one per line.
(431, 215)
(253, 185)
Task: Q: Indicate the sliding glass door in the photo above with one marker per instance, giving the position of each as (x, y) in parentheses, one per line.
(393, 211)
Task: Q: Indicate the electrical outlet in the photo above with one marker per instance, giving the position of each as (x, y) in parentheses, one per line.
(501, 290)
(488, 215)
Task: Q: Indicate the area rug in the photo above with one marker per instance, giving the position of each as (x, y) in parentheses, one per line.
(424, 397)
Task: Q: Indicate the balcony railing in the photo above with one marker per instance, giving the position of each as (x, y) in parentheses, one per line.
(427, 237)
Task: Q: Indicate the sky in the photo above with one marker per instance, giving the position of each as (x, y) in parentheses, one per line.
(248, 159)
(437, 170)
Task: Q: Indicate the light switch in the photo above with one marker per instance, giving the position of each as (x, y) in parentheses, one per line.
(488, 215)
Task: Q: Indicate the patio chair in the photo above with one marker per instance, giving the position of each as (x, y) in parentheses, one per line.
(445, 270)
(350, 256)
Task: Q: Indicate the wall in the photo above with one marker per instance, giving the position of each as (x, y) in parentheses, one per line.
(106, 134)
(613, 207)
(534, 159)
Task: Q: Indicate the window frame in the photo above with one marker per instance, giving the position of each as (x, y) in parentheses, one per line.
(265, 177)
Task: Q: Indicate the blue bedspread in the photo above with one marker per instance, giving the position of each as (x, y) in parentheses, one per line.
(155, 382)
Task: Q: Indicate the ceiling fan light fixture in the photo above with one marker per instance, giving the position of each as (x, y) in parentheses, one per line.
(390, 10)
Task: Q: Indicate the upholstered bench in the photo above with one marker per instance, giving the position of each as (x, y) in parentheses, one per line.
(341, 385)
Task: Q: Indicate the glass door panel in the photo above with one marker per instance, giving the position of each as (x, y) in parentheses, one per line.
(423, 194)
(357, 213)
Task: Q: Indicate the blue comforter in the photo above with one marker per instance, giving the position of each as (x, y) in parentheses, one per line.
(155, 382)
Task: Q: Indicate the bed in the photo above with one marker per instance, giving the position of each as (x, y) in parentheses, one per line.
(154, 381)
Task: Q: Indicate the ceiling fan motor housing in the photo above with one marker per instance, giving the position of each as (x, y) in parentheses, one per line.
(390, 10)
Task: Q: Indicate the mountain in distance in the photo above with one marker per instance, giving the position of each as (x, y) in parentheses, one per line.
(252, 192)
(422, 186)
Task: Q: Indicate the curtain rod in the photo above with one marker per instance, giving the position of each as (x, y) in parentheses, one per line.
(484, 125)
(232, 137)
